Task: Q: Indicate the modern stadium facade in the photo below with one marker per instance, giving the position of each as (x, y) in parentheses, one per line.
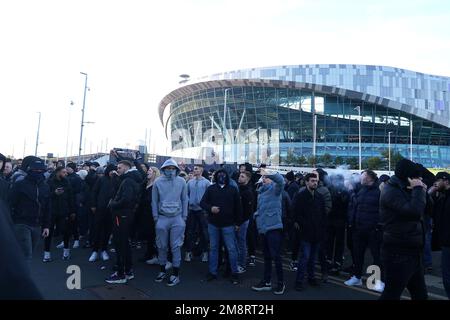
(274, 114)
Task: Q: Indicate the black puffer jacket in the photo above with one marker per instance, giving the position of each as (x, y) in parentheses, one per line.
(340, 199)
(247, 200)
(364, 210)
(103, 192)
(128, 195)
(77, 187)
(401, 212)
(309, 213)
(63, 204)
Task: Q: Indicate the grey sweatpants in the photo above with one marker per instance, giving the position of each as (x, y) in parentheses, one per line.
(173, 228)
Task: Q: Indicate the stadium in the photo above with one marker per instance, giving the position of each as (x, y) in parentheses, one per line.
(278, 115)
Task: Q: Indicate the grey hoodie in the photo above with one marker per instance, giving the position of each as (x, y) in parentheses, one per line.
(169, 195)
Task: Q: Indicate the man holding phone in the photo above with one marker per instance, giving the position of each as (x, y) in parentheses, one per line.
(402, 206)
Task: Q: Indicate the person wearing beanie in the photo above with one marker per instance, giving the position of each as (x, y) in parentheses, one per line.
(21, 173)
(441, 219)
(402, 206)
(77, 185)
(291, 187)
(170, 211)
(30, 207)
(383, 179)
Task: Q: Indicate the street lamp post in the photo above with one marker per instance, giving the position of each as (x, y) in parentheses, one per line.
(411, 140)
(68, 133)
(389, 150)
(359, 133)
(37, 135)
(82, 114)
(224, 127)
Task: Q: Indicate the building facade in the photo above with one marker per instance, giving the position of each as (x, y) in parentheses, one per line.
(278, 114)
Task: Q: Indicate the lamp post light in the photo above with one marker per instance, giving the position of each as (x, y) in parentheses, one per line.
(82, 115)
(359, 133)
(389, 150)
(68, 132)
(224, 126)
(37, 135)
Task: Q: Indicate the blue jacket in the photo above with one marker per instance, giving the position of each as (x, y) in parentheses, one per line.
(364, 210)
(269, 213)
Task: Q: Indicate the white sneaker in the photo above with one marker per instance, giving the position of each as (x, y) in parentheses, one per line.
(173, 281)
(205, 257)
(353, 281)
(188, 257)
(241, 270)
(105, 256)
(60, 246)
(66, 254)
(168, 265)
(76, 244)
(112, 250)
(153, 260)
(93, 257)
(47, 257)
(379, 286)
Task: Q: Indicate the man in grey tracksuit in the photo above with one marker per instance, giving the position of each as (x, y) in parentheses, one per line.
(169, 209)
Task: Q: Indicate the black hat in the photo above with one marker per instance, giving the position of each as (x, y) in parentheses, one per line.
(37, 165)
(290, 176)
(384, 178)
(72, 166)
(87, 163)
(95, 163)
(443, 175)
(299, 175)
(407, 169)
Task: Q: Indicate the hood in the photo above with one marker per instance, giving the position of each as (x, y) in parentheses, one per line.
(171, 162)
(110, 167)
(397, 182)
(227, 176)
(3, 159)
(27, 161)
(229, 169)
(133, 174)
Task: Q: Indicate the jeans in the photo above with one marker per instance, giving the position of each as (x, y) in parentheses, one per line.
(273, 241)
(242, 244)
(27, 237)
(361, 240)
(403, 271)
(446, 269)
(308, 253)
(229, 237)
(121, 234)
(196, 221)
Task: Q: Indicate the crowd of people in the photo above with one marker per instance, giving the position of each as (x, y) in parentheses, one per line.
(224, 216)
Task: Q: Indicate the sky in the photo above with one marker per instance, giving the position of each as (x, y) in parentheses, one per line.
(134, 51)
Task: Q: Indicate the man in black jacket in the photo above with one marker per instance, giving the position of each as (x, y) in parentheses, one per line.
(248, 208)
(123, 207)
(291, 186)
(364, 218)
(308, 211)
(78, 189)
(62, 203)
(441, 217)
(402, 206)
(336, 221)
(29, 201)
(102, 193)
(223, 204)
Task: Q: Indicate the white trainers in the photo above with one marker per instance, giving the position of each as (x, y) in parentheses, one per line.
(60, 245)
(93, 257)
(168, 265)
(188, 257)
(47, 257)
(173, 281)
(379, 286)
(105, 256)
(353, 281)
(205, 257)
(241, 270)
(152, 261)
(66, 254)
(76, 244)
